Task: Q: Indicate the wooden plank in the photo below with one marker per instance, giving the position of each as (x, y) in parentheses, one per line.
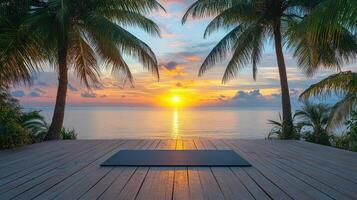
(281, 170)
(16, 174)
(329, 164)
(115, 173)
(230, 185)
(158, 183)
(245, 180)
(38, 175)
(326, 151)
(34, 158)
(80, 182)
(210, 186)
(33, 188)
(331, 184)
(127, 185)
(319, 185)
(194, 182)
(290, 184)
(11, 155)
(344, 177)
(181, 189)
(318, 157)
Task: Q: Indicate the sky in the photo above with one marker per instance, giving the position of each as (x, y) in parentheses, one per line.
(180, 52)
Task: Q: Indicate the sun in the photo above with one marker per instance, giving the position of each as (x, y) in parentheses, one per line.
(175, 99)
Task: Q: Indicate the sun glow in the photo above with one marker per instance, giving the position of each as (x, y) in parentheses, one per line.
(176, 99)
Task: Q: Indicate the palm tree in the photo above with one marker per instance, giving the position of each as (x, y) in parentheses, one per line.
(315, 118)
(343, 84)
(77, 33)
(326, 38)
(252, 22)
(20, 54)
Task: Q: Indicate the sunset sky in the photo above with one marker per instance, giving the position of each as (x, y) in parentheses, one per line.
(180, 51)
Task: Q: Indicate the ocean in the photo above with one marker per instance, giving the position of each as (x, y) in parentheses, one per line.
(111, 122)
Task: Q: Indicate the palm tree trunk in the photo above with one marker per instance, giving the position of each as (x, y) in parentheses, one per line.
(288, 129)
(58, 114)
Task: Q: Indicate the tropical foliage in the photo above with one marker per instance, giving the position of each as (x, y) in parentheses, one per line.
(20, 54)
(77, 33)
(68, 134)
(277, 129)
(349, 139)
(251, 24)
(313, 118)
(311, 124)
(73, 35)
(343, 84)
(12, 134)
(17, 127)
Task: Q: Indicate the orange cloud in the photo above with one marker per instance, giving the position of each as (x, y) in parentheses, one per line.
(177, 71)
(193, 58)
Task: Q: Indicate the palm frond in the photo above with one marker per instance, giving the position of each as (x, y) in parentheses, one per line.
(133, 19)
(20, 52)
(340, 83)
(138, 6)
(230, 17)
(207, 8)
(83, 60)
(342, 110)
(247, 47)
(221, 50)
(113, 35)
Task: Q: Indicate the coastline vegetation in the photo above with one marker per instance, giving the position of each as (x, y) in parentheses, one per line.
(77, 35)
(311, 123)
(73, 35)
(317, 38)
(19, 127)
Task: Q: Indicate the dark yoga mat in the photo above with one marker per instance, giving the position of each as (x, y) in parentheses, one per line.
(174, 158)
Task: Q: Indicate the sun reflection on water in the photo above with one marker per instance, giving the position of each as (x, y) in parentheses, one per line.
(175, 124)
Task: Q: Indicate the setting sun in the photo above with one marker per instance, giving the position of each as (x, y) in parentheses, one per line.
(176, 99)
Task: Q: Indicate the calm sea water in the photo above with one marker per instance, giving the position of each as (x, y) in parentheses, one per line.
(138, 122)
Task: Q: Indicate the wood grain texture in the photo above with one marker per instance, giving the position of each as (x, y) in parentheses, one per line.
(281, 170)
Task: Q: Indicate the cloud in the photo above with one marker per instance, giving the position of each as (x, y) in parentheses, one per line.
(72, 88)
(88, 95)
(171, 65)
(173, 69)
(255, 98)
(37, 93)
(34, 94)
(177, 44)
(193, 58)
(18, 93)
(166, 32)
(41, 83)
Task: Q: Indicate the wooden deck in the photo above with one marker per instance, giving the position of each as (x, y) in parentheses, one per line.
(281, 170)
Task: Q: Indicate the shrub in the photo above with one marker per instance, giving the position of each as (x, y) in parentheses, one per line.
(349, 140)
(68, 134)
(323, 138)
(36, 125)
(313, 118)
(12, 134)
(277, 129)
